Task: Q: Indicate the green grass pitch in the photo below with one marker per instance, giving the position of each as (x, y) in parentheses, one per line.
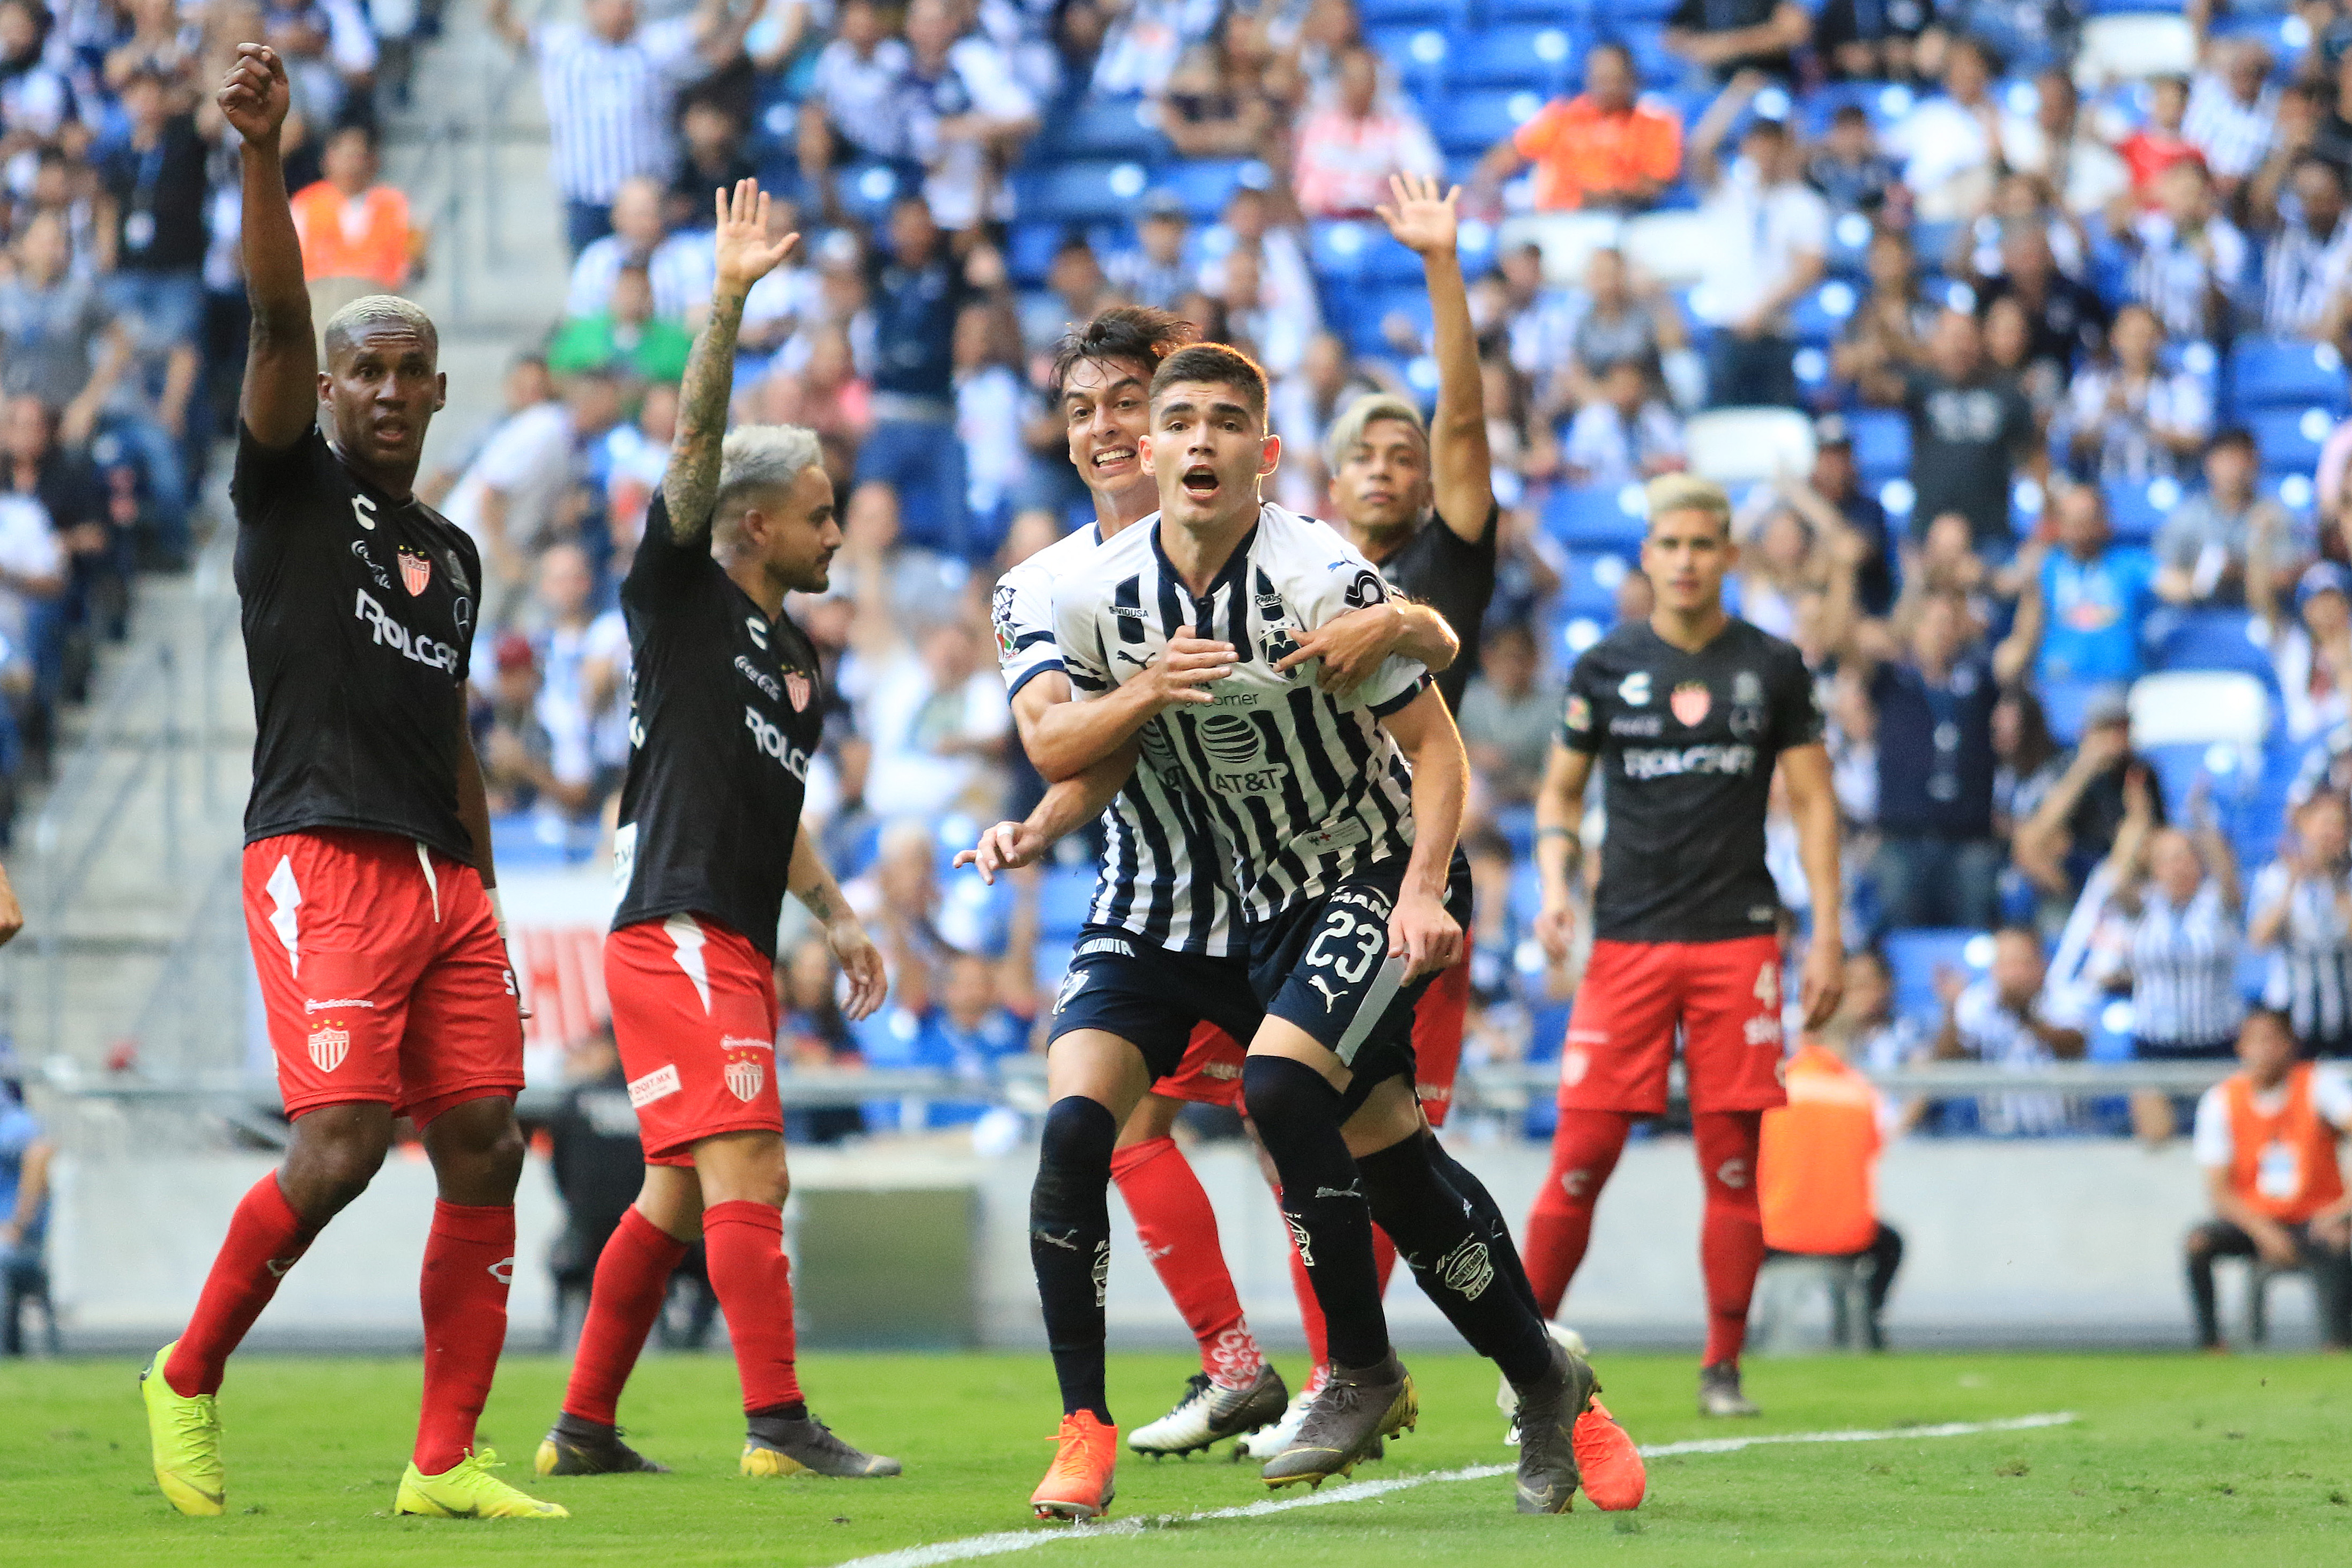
(2175, 1460)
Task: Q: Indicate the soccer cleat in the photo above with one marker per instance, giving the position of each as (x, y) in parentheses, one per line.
(1267, 1441)
(1613, 1474)
(1548, 1476)
(1210, 1413)
(775, 1446)
(184, 1430)
(1078, 1485)
(1719, 1394)
(1506, 1399)
(1357, 1409)
(467, 1489)
(577, 1447)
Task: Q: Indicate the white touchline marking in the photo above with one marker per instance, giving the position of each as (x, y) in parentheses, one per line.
(1002, 1542)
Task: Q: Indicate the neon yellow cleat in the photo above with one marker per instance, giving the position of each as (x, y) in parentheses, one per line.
(467, 1489)
(185, 1435)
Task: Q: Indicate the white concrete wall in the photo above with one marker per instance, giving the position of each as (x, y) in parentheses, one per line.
(2059, 1243)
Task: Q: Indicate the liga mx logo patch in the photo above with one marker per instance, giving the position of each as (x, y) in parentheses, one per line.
(415, 571)
(796, 687)
(329, 1046)
(744, 1078)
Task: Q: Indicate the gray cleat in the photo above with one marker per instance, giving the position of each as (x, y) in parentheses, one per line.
(777, 1445)
(1546, 1415)
(573, 1447)
(1719, 1394)
(1210, 1413)
(1357, 1409)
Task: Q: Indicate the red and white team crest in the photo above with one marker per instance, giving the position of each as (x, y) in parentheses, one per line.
(744, 1078)
(1689, 703)
(329, 1046)
(415, 571)
(796, 687)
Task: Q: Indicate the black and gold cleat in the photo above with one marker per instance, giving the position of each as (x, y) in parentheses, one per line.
(575, 1447)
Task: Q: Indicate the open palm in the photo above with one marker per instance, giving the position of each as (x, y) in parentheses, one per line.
(1421, 218)
(745, 253)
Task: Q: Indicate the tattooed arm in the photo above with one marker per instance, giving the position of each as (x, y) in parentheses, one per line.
(744, 257)
(813, 884)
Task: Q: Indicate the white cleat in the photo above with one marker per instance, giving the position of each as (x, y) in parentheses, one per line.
(1267, 1441)
(1209, 1412)
(1506, 1399)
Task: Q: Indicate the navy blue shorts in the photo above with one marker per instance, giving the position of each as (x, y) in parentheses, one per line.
(1323, 965)
(1151, 997)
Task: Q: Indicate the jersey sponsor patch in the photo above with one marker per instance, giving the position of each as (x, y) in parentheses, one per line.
(1580, 713)
(1672, 761)
(1333, 836)
(1000, 616)
(426, 651)
(661, 1083)
(1104, 945)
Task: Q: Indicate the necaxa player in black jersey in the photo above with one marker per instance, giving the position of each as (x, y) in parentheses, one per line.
(381, 960)
(1340, 815)
(725, 712)
(1685, 716)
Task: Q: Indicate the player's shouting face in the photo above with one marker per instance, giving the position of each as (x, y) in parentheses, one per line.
(1208, 448)
(1106, 408)
(1684, 556)
(382, 388)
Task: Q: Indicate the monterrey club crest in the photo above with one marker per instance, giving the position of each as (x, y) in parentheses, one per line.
(1690, 702)
(329, 1046)
(744, 1078)
(796, 687)
(415, 571)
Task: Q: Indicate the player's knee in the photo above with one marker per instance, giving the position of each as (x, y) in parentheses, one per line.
(1079, 1136)
(1283, 1094)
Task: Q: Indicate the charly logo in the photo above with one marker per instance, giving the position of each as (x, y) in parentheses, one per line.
(329, 1043)
(759, 630)
(1634, 689)
(1467, 1270)
(363, 510)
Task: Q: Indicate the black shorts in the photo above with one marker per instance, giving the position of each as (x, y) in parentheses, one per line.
(1150, 996)
(1323, 965)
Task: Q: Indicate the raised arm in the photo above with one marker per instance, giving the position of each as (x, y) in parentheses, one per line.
(1064, 738)
(1067, 807)
(1460, 471)
(280, 399)
(1352, 646)
(1421, 930)
(744, 256)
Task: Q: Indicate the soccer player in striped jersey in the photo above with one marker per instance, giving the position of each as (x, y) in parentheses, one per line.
(1163, 899)
(1340, 814)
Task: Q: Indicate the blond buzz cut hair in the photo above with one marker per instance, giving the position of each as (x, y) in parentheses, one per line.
(1348, 430)
(1688, 493)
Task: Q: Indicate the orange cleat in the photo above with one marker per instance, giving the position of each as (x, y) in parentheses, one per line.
(1078, 1485)
(1614, 1476)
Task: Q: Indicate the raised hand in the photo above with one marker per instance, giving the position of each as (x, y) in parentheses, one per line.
(1421, 219)
(745, 253)
(256, 95)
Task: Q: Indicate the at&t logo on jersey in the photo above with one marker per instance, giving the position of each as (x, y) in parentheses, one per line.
(773, 741)
(1236, 757)
(415, 645)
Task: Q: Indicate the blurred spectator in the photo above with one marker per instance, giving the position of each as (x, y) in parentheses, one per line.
(855, 110)
(1508, 716)
(584, 692)
(2311, 646)
(1937, 864)
(1971, 429)
(1215, 104)
(1724, 37)
(1152, 272)
(1300, 407)
(519, 759)
(610, 85)
(2233, 112)
(899, 898)
(937, 716)
(625, 335)
(597, 1165)
(2266, 1139)
(1600, 148)
(1816, 1174)
(2052, 145)
(1949, 142)
(813, 1036)
(1282, 286)
(710, 155)
(969, 116)
(1870, 40)
(2066, 321)
(25, 1155)
(1076, 291)
(2074, 827)
(2011, 1019)
(1768, 245)
(2191, 259)
(2009, 349)
(2203, 550)
(634, 458)
(525, 386)
(2129, 419)
(155, 179)
(2157, 144)
(968, 1033)
(2301, 909)
(59, 341)
(2308, 260)
(65, 484)
(2086, 605)
(2178, 950)
(1145, 40)
(1832, 501)
(32, 581)
(679, 267)
(1624, 435)
(1849, 171)
(1348, 146)
(992, 404)
(2032, 761)
(356, 233)
(1613, 318)
(1888, 332)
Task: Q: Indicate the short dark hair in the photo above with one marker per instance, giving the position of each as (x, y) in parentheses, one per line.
(1613, 46)
(2262, 1012)
(1134, 332)
(2236, 436)
(1217, 362)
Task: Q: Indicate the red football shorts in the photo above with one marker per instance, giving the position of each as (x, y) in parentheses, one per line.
(382, 974)
(1437, 1036)
(694, 1012)
(1211, 1072)
(1620, 1035)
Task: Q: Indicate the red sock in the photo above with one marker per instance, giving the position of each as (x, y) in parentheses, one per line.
(745, 1243)
(632, 1276)
(1178, 1230)
(265, 1238)
(1731, 1236)
(468, 1268)
(1310, 1311)
(1383, 1257)
(1584, 1150)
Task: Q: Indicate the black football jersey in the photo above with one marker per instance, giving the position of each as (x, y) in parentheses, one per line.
(1687, 744)
(1455, 579)
(725, 712)
(358, 610)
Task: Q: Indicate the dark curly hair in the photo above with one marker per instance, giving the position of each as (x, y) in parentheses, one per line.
(1133, 332)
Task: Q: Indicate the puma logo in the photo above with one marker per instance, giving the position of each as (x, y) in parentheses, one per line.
(1330, 997)
(1353, 1189)
(1132, 659)
(1067, 1243)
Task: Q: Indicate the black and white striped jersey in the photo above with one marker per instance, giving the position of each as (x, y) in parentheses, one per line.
(1303, 788)
(1163, 875)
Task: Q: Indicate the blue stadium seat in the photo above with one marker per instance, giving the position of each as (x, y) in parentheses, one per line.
(2291, 438)
(1594, 517)
(1085, 193)
(866, 191)
(2137, 508)
(2214, 640)
(2064, 704)
(1352, 254)
(1205, 186)
(1536, 57)
(1100, 127)
(1366, 311)
(1063, 900)
(1916, 956)
(1467, 124)
(1590, 585)
(2270, 372)
(1029, 251)
(1399, 13)
(1821, 316)
(1881, 444)
(1659, 66)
